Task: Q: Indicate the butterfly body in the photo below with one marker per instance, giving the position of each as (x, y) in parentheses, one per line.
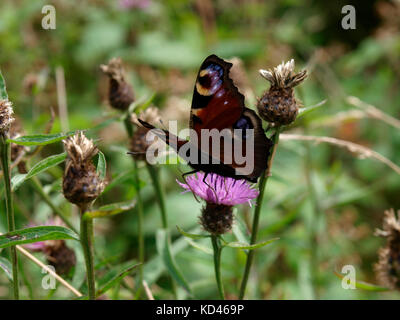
(218, 106)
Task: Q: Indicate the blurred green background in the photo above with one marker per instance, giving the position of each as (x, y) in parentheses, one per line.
(323, 202)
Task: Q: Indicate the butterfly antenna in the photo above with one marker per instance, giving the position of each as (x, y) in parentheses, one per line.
(162, 124)
(134, 153)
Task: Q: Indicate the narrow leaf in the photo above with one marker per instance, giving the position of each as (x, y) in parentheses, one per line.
(6, 266)
(36, 234)
(191, 235)
(41, 166)
(163, 248)
(110, 210)
(364, 285)
(101, 166)
(304, 111)
(199, 246)
(3, 90)
(40, 139)
(247, 246)
(114, 280)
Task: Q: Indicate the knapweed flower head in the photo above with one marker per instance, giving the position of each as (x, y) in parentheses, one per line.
(278, 105)
(388, 267)
(220, 190)
(81, 183)
(120, 93)
(220, 194)
(57, 253)
(6, 118)
(138, 143)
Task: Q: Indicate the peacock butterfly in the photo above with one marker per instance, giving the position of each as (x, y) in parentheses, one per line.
(218, 106)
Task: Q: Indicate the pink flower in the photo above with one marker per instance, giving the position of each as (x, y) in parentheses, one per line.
(131, 4)
(42, 245)
(220, 190)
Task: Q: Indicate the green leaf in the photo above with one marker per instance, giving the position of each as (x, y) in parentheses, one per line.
(41, 166)
(121, 179)
(364, 285)
(6, 266)
(247, 246)
(3, 90)
(36, 234)
(199, 246)
(304, 111)
(141, 105)
(191, 235)
(40, 139)
(101, 166)
(115, 279)
(163, 248)
(110, 210)
(154, 268)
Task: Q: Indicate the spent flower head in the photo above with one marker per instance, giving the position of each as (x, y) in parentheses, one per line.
(220, 194)
(57, 253)
(278, 105)
(81, 183)
(388, 266)
(138, 143)
(120, 93)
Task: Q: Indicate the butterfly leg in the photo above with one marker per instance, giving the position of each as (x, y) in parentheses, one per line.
(184, 179)
(213, 189)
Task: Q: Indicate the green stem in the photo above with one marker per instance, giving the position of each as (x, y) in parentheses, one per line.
(139, 210)
(159, 192)
(86, 235)
(161, 202)
(39, 188)
(5, 163)
(316, 219)
(217, 264)
(254, 230)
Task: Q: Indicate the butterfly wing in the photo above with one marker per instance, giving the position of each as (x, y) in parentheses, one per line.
(216, 103)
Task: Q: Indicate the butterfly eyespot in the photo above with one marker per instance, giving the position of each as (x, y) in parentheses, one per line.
(243, 123)
(209, 80)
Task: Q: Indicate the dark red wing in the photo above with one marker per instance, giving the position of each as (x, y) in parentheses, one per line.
(216, 102)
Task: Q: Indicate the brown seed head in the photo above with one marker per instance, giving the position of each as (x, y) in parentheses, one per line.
(6, 118)
(278, 105)
(388, 266)
(120, 93)
(81, 183)
(60, 256)
(216, 218)
(17, 151)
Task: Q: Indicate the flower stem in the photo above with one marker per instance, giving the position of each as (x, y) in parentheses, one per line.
(161, 202)
(217, 264)
(87, 238)
(39, 188)
(159, 192)
(254, 230)
(5, 163)
(139, 210)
